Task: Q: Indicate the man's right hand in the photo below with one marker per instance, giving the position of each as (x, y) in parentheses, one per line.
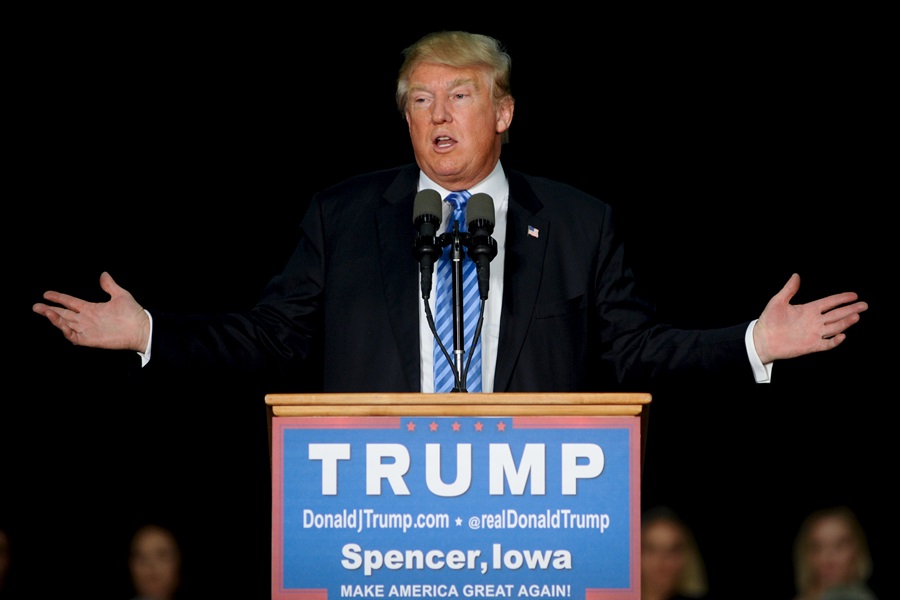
(118, 324)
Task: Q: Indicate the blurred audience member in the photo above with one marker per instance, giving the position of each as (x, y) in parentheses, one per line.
(831, 557)
(154, 563)
(672, 567)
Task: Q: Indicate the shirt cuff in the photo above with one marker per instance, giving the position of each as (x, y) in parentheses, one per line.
(762, 373)
(145, 356)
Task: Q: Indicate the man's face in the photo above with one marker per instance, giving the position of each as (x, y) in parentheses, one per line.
(453, 124)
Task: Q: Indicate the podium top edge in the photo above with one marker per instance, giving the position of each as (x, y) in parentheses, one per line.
(499, 398)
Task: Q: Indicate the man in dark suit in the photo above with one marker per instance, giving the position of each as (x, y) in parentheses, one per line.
(564, 311)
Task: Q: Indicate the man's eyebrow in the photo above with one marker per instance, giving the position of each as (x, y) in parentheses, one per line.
(455, 83)
(460, 82)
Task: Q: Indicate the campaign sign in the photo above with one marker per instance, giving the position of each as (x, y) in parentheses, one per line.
(456, 507)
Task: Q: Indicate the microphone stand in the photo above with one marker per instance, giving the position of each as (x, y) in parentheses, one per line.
(457, 254)
(478, 246)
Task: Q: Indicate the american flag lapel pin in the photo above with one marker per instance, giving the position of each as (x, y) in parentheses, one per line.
(533, 231)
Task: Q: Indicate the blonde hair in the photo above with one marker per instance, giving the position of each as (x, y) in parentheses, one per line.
(692, 581)
(803, 572)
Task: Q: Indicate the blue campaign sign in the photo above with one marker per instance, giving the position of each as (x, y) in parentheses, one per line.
(440, 507)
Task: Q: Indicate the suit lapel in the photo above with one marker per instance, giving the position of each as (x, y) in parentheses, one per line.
(522, 276)
(395, 235)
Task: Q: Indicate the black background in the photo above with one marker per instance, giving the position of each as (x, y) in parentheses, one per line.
(179, 152)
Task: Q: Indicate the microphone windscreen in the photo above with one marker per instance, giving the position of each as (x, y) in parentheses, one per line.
(427, 202)
(480, 207)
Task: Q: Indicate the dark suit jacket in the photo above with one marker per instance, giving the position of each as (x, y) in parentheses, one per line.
(348, 301)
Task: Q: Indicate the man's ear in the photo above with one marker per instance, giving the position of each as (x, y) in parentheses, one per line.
(505, 114)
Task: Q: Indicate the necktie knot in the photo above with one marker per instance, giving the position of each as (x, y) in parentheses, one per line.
(458, 201)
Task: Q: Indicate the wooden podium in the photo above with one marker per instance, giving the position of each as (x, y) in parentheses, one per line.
(456, 495)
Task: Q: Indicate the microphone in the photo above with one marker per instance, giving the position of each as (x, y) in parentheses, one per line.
(427, 219)
(482, 247)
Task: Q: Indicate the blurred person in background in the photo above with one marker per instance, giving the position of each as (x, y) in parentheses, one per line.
(831, 557)
(154, 563)
(672, 567)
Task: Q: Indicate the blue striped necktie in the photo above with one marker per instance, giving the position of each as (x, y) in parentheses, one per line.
(443, 309)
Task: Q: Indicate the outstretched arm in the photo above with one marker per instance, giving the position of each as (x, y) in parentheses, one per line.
(118, 324)
(786, 330)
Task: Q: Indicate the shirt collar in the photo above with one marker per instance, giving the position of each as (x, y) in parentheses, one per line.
(494, 185)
